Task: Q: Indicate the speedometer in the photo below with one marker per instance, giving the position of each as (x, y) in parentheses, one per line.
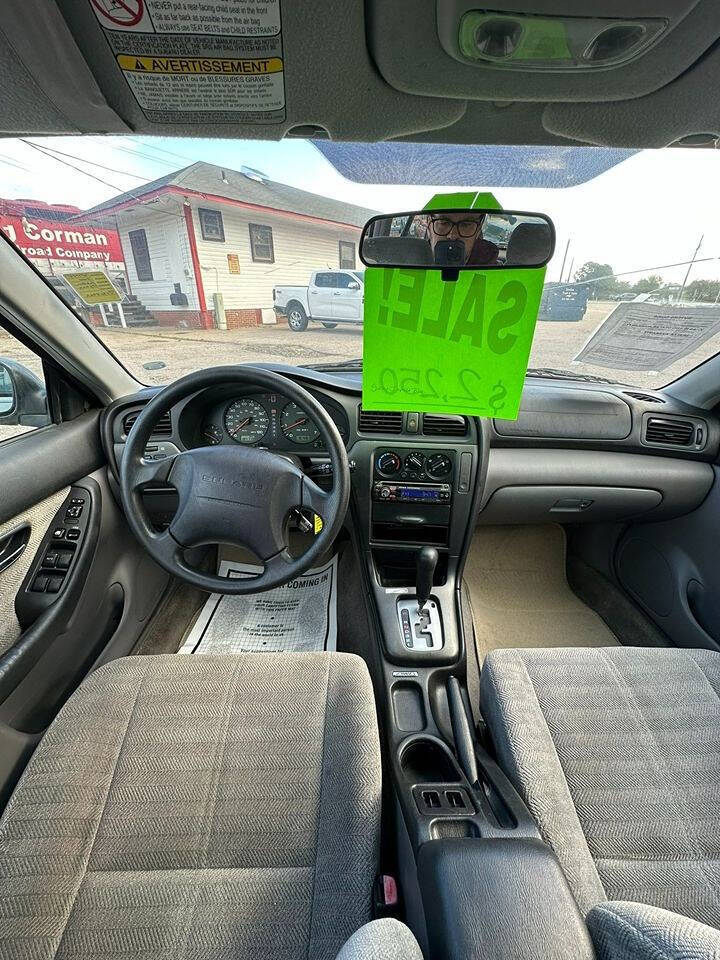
(247, 421)
(297, 425)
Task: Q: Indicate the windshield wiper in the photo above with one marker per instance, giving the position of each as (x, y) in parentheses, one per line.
(340, 365)
(550, 373)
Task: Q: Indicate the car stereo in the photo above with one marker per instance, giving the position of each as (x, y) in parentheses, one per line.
(411, 492)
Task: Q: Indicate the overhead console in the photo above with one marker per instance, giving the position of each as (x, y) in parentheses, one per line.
(459, 47)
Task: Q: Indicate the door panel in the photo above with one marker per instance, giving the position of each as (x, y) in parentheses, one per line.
(37, 518)
(107, 587)
(671, 570)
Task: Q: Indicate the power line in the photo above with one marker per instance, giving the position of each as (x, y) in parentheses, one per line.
(18, 166)
(93, 163)
(65, 163)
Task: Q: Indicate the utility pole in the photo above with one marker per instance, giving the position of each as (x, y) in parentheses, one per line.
(690, 266)
(562, 268)
(570, 269)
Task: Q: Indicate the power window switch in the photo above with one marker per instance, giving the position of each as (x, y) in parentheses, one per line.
(50, 560)
(73, 534)
(39, 584)
(54, 584)
(63, 561)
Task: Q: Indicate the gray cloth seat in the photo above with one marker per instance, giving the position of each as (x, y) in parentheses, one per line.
(197, 807)
(616, 752)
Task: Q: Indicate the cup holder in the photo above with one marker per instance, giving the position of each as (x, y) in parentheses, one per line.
(424, 761)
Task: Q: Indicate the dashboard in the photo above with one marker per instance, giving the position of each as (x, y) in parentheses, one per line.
(578, 452)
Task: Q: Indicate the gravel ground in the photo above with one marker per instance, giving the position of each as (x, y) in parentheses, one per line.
(184, 350)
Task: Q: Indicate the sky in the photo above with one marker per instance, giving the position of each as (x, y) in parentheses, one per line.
(647, 211)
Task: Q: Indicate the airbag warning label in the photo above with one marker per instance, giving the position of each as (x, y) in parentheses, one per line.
(199, 61)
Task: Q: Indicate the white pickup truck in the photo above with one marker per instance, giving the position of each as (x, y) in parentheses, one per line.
(331, 297)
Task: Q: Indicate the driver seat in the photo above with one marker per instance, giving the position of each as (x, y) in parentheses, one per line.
(197, 806)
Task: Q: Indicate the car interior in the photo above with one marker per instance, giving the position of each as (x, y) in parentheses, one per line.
(498, 736)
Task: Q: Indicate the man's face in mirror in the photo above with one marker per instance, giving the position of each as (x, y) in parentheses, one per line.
(460, 226)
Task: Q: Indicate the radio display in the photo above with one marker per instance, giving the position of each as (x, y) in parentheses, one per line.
(419, 494)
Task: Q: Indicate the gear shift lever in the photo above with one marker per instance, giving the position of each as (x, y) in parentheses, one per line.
(426, 562)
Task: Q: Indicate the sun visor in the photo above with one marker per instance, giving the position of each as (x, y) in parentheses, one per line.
(543, 50)
(455, 165)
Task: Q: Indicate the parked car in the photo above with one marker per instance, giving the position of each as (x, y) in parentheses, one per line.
(331, 297)
(563, 301)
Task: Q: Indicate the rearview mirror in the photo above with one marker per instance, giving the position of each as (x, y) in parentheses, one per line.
(458, 240)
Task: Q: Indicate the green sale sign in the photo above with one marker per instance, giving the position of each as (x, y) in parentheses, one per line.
(438, 346)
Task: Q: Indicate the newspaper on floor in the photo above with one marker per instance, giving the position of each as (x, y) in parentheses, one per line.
(299, 617)
(649, 336)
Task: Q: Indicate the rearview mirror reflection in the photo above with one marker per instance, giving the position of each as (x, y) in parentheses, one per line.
(458, 240)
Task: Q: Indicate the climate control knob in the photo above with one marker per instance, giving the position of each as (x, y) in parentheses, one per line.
(388, 464)
(438, 465)
(414, 461)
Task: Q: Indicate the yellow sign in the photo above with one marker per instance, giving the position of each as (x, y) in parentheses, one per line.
(227, 66)
(317, 524)
(233, 263)
(93, 286)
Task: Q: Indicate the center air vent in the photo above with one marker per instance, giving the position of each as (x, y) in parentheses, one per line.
(380, 421)
(444, 425)
(677, 433)
(162, 428)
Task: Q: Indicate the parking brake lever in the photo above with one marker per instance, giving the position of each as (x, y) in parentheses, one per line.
(462, 731)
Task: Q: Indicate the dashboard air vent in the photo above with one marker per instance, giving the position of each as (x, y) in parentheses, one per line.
(644, 397)
(380, 421)
(162, 428)
(444, 425)
(678, 433)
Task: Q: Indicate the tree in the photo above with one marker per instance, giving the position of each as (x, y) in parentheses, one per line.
(706, 291)
(647, 284)
(600, 289)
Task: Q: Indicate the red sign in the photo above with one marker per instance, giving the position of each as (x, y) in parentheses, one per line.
(48, 240)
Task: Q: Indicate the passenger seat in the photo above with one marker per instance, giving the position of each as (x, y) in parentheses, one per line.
(616, 752)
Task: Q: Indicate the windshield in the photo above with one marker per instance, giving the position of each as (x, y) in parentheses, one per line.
(208, 251)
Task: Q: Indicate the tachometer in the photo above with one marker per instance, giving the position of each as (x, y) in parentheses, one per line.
(247, 421)
(297, 426)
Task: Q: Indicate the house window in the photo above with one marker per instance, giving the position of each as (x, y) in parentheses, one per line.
(261, 243)
(211, 225)
(347, 255)
(141, 254)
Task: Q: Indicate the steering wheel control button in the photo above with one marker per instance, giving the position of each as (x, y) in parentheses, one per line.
(388, 463)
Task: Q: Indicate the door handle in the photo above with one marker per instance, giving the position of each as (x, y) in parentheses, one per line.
(13, 545)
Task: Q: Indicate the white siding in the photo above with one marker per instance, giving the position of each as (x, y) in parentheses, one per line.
(300, 247)
(169, 255)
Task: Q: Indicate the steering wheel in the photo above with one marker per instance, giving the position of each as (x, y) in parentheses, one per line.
(231, 493)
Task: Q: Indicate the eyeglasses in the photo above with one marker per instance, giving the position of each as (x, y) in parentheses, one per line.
(465, 228)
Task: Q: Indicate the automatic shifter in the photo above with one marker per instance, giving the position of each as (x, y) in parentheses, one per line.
(425, 568)
(419, 616)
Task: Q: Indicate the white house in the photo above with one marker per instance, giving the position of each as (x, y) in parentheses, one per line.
(206, 230)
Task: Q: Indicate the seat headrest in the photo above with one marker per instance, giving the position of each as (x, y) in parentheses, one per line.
(409, 251)
(530, 244)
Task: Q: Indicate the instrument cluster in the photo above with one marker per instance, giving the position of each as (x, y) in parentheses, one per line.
(268, 420)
